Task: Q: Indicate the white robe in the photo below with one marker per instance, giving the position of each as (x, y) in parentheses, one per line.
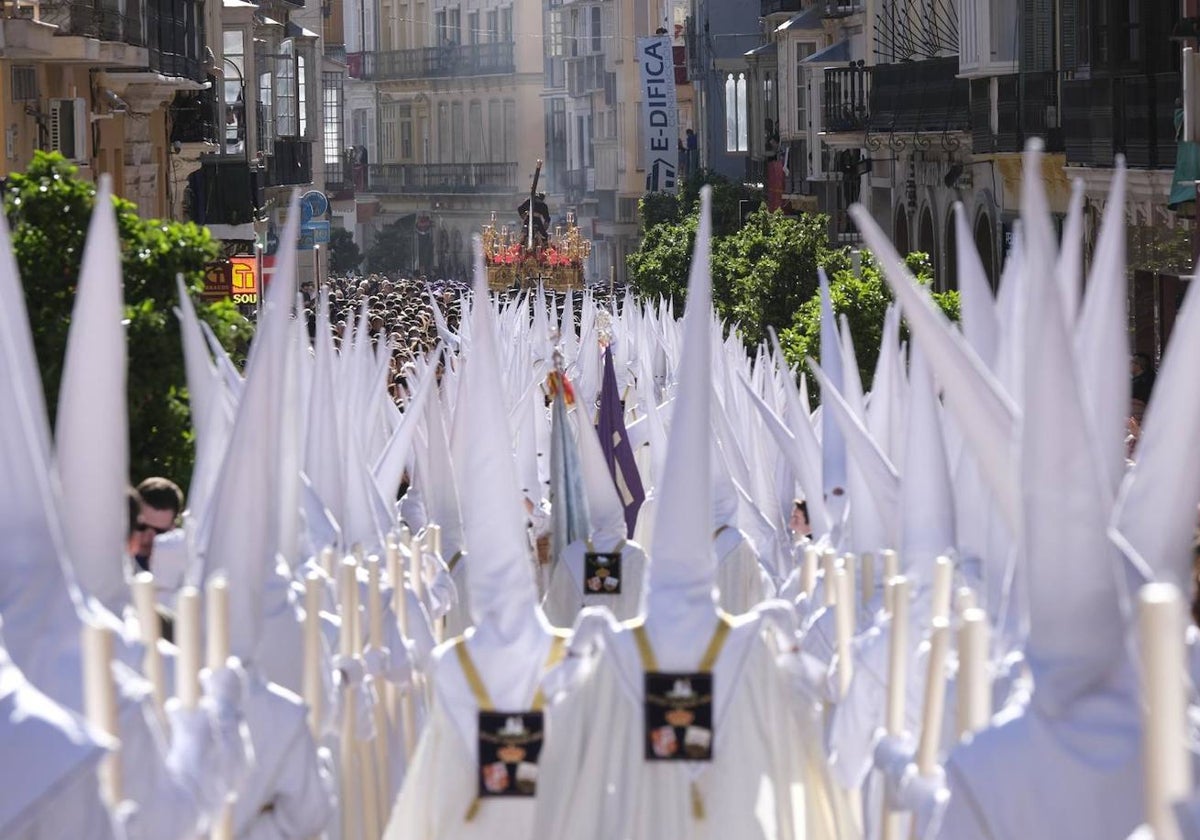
(565, 594)
(48, 774)
(286, 795)
(761, 785)
(442, 782)
(1029, 777)
(741, 580)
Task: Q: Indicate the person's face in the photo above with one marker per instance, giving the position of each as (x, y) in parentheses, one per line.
(799, 522)
(150, 523)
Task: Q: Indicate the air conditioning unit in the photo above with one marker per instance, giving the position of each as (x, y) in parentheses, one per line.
(69, 128)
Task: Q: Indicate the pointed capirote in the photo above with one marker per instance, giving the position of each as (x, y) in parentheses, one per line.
(1069, 268)
(979, 320)
(198, 365)
(389, 467)
(500, 570)
(606, 514)
(323, 457)
(443, 330)
(1102, 337)
(807, 458)
(91, 435)
(884, 420)
(40, 602)
(833, 443)
(985, 413)
(1155, 517)
(440, 486)
(880, 475)
(240, 537)
(927, 498)
(683, 569)
(1068, 574)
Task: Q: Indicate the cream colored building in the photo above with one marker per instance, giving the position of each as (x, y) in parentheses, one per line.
(95, 82)
(455, 127)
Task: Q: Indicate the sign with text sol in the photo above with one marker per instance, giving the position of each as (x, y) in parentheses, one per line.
(244, 285)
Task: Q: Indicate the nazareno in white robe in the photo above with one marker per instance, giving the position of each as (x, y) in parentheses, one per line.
(762, 784)
(565, 595)
(440, 789)
(48, 773)
(741, 581)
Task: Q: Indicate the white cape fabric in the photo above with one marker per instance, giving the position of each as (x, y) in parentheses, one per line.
(565, 593)
(741, 581)
(48, 774)
(441, 785)
(763, 784)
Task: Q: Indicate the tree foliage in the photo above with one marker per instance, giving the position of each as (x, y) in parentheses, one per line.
(392, 251)
(344, 255)
(48, 209)
(863, 298)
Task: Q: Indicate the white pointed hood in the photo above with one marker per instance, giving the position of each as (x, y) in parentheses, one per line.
(1076, 632)
(979, 320)
(92, 432)
(833, 444)
(323, 457)
(241, 533)
(683, 573)
(499, 566)
(439, 487)
(605, 511)
(1154, 523)
(1069, 269)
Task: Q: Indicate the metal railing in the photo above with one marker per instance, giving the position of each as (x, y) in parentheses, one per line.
(774, 7)
(1130, 115)
(399, 178)
(291, 164)
(435, 62)
(94, 19)
(846, 98)
(919, 97)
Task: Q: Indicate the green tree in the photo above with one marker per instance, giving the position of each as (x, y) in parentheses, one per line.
(344, 256)
(863, 298)
(392, 251)
(48, 209)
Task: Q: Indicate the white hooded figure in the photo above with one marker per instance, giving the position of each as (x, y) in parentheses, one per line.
(742, 582)
(731, 764)
(287, 794)
(497, 666)
(56, 795)
(618, 565)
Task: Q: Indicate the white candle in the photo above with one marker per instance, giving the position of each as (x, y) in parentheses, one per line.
(900, 588)
(844, 618)
(891, 563)
(974, 686)
(374, 603)
(218, 623)
(935, 697)
(314, 690)
(144, 602)
(348, 607)
(187, 639)
(943, 578)
(850, 564)
(433, 537)
(808, 570)
(328, 562)
(100, 701)
(1168, 769)
(868, 579)
(828, 564)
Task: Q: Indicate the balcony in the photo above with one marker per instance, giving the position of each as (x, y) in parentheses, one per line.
(434, 62)
(434, 178)
(291, 164)
(845, 97)
(918, 97)
(780, 7)
(226, 191)
(104, 21)
(172, 28)
(1133, 115)
(1026, 106)
(339, 177)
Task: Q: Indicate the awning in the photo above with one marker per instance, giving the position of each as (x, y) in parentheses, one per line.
(293, 30)
(810, 20)
(762, 51)
(835, 53)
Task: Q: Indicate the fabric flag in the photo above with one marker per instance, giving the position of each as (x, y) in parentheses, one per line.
(618, 451)
(568, 501)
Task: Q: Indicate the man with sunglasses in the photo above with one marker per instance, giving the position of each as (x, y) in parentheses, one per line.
(159, 503)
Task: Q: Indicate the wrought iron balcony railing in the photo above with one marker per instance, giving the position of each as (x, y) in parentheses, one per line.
(434, 62)
(433, 178)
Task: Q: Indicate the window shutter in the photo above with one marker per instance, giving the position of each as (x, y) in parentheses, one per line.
(1070, 33)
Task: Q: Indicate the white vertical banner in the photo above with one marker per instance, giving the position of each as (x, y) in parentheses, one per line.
(660, 114)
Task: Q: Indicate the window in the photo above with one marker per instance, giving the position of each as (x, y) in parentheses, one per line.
(266, 119)
(510, 131)
(493, 26)
(358, 126)
(473, 28)
(24, 83)
(506, 25)
(406, 132)
(456, 132)
(302, 95)
(286, 124)
(444, 143)
(475, 131)
(454, 27)
(556, 41)
(596, 47)
(439, 26)
(235, 100)
(736, 117)
(496, 131)
(387, 133)
(803, 50)
(331, 93)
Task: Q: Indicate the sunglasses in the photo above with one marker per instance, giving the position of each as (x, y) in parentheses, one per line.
(144, 526)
